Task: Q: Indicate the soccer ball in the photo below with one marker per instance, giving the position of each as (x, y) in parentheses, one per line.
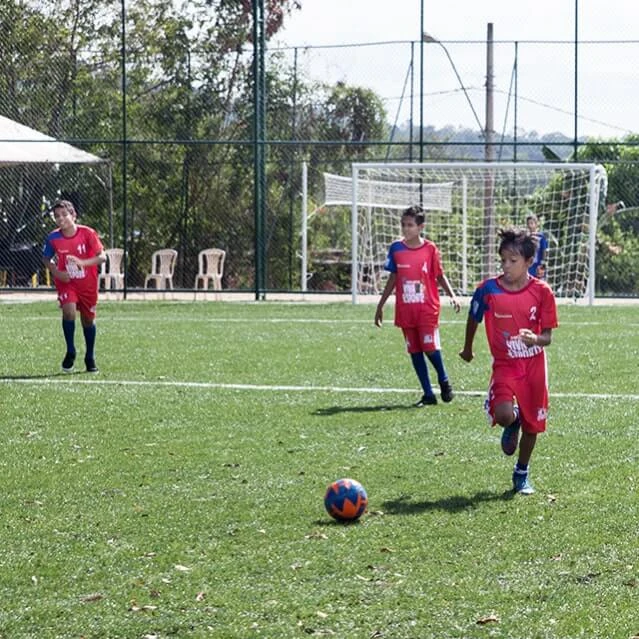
(345, 500)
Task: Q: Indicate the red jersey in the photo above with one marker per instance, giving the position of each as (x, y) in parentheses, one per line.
(506, 312)
(416, 289)
(84, 244)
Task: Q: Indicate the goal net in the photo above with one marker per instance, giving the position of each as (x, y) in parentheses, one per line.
(465, 204)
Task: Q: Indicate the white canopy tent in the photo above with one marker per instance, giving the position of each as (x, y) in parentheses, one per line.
(19, 144)
(22, 147)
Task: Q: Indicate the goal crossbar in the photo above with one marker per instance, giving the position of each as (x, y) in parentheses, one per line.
(338, 190)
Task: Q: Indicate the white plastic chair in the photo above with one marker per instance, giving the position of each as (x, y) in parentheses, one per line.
(162, 268)
(111, 274)
(210, 268)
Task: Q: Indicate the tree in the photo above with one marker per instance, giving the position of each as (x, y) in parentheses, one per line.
(617, 243)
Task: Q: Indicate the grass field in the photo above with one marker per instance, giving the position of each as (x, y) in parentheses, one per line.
(179, 493)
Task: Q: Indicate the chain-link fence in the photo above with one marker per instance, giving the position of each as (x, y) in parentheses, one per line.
(174, 122)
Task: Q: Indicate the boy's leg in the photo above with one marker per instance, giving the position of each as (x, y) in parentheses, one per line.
(90, 330)
(521, 484)
(435, 358)
(437, 361)
(419, 364)
(68, 330)
(86, 305)
(412, 337)
(532, 397)
(507, 416)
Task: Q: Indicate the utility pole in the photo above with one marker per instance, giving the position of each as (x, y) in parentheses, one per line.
(259, 139)
(489, 155)
(421, 83)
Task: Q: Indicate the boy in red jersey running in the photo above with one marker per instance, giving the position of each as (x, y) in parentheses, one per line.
(72, 254)
(520, 313)
(415, 275)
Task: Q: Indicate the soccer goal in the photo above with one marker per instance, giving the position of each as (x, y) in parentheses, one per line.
(465, 204)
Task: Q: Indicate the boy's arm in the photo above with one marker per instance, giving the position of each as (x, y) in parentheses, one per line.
(442, 280)
(388, 289)
(471, 328)
(52, 267)
(96, 260)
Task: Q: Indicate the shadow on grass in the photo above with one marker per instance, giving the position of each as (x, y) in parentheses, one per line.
(40, 376)
(456, 503)
(335, 410)
(337, 522)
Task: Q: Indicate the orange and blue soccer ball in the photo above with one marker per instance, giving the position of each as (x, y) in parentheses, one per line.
(345, 500)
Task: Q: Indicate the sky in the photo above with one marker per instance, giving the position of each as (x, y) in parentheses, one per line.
(535, 36)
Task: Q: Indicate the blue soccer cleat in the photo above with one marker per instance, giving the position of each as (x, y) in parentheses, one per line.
(426, 400)
(521, 485)
(68, 363)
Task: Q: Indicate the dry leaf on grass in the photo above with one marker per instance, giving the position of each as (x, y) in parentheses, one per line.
(94, 596)
(316, 535)
(487, 619)
(145, 608)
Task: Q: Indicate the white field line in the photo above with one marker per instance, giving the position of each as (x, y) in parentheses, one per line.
(283, 320)
(72, 380)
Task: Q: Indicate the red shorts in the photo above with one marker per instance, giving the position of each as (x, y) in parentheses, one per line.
(422, 339)
(524, 381)
(85, 299)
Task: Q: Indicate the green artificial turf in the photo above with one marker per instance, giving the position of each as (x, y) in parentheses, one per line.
(179, 492)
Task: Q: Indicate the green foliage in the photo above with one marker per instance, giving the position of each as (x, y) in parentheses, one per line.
(179, 492)
(617, 235)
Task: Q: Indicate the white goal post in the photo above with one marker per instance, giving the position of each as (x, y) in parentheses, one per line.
(465, 205)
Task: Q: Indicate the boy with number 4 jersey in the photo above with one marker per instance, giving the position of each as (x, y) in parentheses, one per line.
(415, 275)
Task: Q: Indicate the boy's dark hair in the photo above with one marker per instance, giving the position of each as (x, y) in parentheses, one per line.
(63, 204)
(416, 212)
(518, 241)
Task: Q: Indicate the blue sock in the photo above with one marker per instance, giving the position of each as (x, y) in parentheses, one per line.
(419, 364)
(521, 468)
(68, 328)
(436, 360)
(89, 338)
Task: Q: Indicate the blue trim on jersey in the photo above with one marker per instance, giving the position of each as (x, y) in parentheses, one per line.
(47, 250)
(478, 304)
(395, 247)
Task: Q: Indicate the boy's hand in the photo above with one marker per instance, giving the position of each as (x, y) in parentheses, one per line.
(466, 355)
(74, 259)
(63, 276)
(528, 337)
(379, 316)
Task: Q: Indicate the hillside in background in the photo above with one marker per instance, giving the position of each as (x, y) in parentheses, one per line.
(463, 143)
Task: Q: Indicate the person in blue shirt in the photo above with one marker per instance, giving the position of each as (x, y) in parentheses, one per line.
(537, 268)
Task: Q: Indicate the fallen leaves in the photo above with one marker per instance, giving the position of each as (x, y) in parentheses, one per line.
(94, 596)
(134, 607)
